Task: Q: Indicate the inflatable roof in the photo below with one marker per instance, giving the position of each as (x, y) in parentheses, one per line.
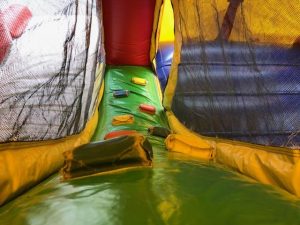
(149, 112)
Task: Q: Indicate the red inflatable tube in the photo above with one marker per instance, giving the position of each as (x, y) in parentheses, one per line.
(16, 18)
(5, 39)
(119, 133)
(128, 29)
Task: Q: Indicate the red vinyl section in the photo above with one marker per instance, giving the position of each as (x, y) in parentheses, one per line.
(127, 30)
(13, 22)
(17, 18)
(5, 39)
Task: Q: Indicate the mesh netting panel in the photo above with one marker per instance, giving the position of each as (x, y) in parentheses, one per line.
(48, 77)
(239, 75)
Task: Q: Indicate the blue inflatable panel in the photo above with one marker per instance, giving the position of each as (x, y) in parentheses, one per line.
(241, 92)
(164, 58)
(238, 53)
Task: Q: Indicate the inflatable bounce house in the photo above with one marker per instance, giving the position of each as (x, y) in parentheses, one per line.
(149, 112)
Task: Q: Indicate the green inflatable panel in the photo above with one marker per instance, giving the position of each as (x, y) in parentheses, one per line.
(177, 190)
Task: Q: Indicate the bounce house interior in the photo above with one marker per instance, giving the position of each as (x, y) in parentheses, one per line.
(149, 112)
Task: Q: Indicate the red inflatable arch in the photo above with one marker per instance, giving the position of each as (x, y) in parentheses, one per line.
(127, 30)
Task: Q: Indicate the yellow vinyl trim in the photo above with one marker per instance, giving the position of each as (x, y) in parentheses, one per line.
(269, 165)
(172, 81)
(188, 145)
(158, 89)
